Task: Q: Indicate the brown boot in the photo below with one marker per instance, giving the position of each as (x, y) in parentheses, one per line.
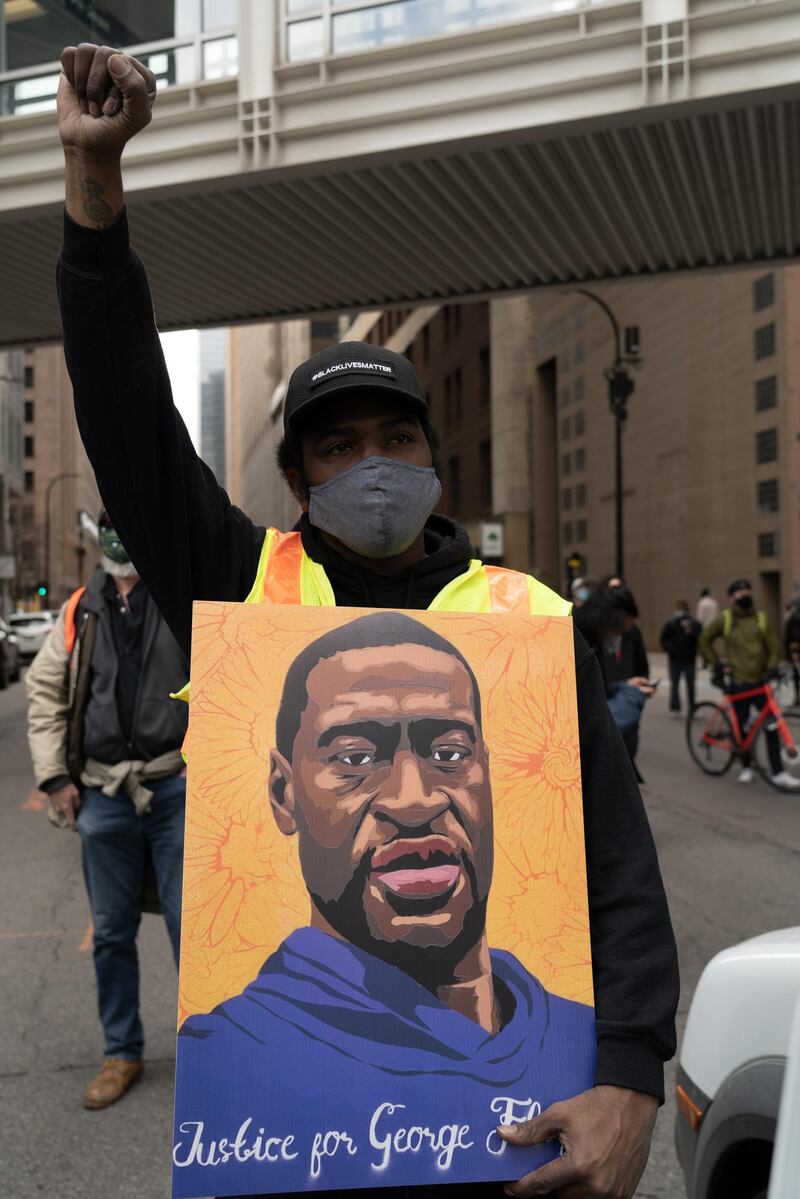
(116, 1075)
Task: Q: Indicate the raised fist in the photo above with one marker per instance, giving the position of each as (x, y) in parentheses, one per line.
(104, 99)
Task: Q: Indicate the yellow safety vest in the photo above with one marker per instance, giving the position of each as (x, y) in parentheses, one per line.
(286, 575)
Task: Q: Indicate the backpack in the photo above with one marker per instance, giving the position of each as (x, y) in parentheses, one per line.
(727, 623)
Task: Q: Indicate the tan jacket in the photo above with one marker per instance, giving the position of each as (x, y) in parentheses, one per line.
(48, 705)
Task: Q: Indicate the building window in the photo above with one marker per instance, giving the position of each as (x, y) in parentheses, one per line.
(452, 397)
(764, 292)
(768, 545)
(766, 393)
(28, 447)
(454, 473)
(580, 459)
(767, 495)
(581, 530)
(29, 376)
(325, 330)
(486, 377)
(577, 353)
(566, 464)
(452, 321)
(578, 389)
(486, 474)
(764, 341)
(565, 396)
(565, 428)
(29, 481)
(567, 532)
(29, 412)
(566, 499)
(579, 423)
(580, 495)
(767, 445)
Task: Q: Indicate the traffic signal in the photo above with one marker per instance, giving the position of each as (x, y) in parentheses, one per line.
(42, 590)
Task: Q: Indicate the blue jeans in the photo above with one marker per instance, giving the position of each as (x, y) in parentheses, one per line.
(113, 843)
(676, 669)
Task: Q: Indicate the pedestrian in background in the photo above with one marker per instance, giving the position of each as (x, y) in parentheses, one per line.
(626, 656)
(679, 638)
(105, 741)
(751, 652)
(579, 590)
(707, 608)
(603, 620)
(791, 642)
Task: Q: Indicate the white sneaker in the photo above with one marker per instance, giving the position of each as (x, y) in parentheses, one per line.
(746, 775)
(786, 781)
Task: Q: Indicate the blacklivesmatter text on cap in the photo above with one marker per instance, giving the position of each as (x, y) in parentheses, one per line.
(350, 366)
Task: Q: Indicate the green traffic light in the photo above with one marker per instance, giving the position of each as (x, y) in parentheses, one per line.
(42, 591)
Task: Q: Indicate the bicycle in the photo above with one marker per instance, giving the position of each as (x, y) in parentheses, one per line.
(715, 738)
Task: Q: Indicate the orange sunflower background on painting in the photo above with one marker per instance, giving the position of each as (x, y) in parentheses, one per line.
(242, 890)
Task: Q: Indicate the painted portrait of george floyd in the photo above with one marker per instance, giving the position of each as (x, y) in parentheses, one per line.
(385, 945)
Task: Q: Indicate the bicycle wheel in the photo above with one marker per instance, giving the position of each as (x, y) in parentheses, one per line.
(709, 735)
(789, 776)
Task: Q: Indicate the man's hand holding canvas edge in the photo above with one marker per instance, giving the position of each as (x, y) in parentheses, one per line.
(105, 98)
(605, 1134)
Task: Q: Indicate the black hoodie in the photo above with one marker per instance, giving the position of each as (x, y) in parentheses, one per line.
(189, 542)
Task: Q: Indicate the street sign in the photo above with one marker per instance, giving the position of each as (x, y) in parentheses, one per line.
(8, 566)
(492, 539)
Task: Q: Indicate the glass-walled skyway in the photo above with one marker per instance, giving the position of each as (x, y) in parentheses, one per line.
(316, 28)
(180, 40)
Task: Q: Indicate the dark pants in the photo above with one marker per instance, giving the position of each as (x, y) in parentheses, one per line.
(676, 669)
(743, 716)
(113, 842)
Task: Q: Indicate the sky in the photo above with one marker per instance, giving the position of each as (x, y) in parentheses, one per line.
(182, 352)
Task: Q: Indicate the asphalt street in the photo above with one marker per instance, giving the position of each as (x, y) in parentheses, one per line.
(729, 855)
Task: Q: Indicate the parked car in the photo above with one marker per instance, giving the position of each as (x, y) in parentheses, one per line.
(732, 1066)
(31, 629)
(9, 656)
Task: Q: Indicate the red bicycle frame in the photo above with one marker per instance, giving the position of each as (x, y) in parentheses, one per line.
(770, 709)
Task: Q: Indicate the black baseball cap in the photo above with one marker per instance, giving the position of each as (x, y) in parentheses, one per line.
(739, 585)
(350, 366)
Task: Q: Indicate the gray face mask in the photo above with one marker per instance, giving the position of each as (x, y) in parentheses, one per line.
(377, 507)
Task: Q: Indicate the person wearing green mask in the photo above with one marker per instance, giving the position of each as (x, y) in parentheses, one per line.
(105, 740)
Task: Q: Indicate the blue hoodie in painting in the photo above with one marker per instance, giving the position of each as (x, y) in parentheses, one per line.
(335, 1070)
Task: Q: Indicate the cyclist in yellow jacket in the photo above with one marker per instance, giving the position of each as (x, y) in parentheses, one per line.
(359, 454)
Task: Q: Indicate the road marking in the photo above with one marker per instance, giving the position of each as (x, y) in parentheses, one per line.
(35, 802)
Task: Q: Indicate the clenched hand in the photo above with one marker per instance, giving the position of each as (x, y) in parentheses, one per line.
(104, 98)
(605, 1134)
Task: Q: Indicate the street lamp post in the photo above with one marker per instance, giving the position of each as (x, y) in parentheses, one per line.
(620, 389)
(69, 474)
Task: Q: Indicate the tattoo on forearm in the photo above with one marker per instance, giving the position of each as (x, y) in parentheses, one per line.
(95, 207)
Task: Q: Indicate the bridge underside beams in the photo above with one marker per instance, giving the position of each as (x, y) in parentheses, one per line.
(694, 190)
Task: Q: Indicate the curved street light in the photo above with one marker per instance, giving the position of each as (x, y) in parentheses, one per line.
(620, 389)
